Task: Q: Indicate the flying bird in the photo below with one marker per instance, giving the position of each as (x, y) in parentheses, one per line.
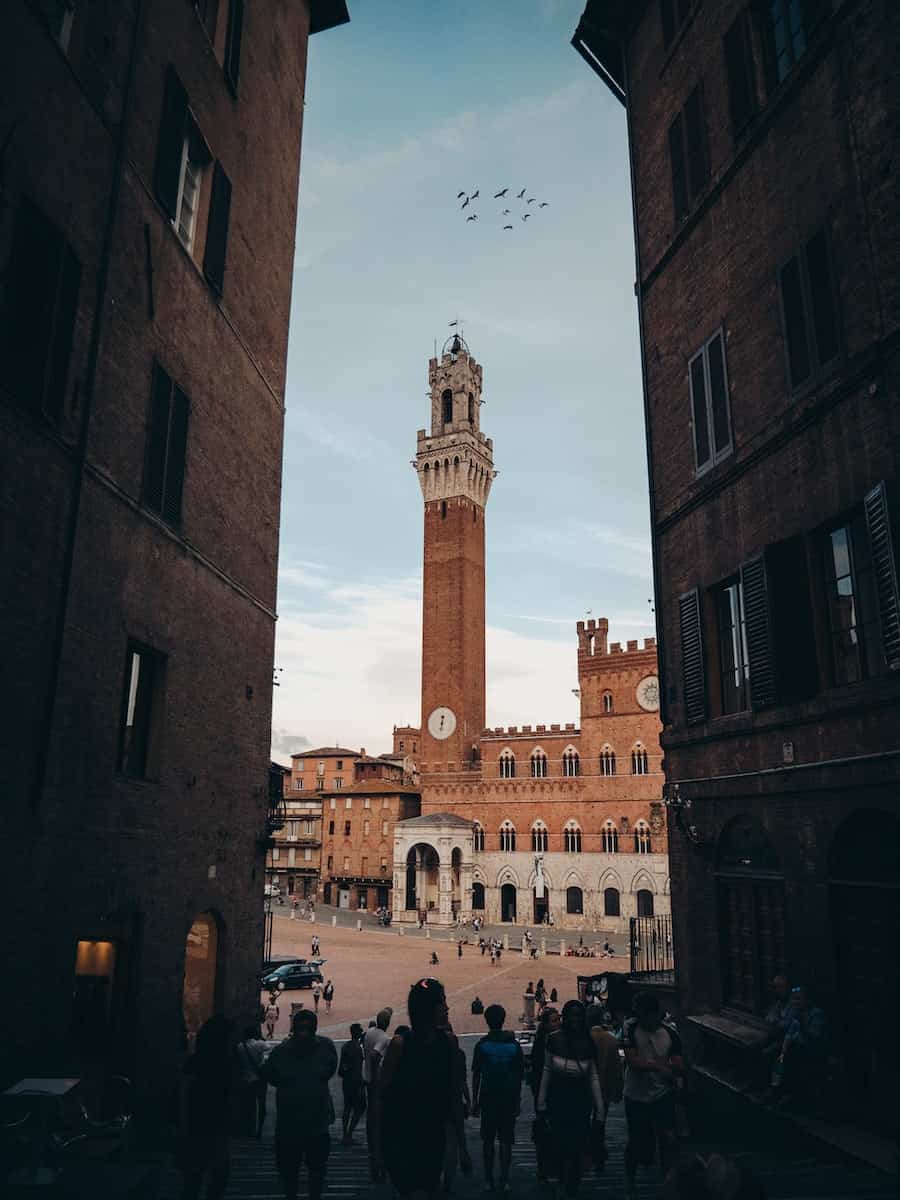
(527, 215)
(506, 212)
(531, 201)
(474, 195)
(544, 204)
(474, 217)
(507, 226)
(464, 203)
(497, 195)
(519, 195)
(458, 194)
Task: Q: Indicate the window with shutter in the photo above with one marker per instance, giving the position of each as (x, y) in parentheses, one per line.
(881, 544)
(788, 26)
(733, 657)
(233, 42)
(141, 710)
(166, 447)
(790, 612)
(761, 659)
(695, 137)
(173, 128)
(709, 403)
(42, 281)
(679, 168)
(692, 665)
(740, 74)
(809, 311)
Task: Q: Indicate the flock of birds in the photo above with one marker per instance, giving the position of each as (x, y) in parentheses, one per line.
(467, 198)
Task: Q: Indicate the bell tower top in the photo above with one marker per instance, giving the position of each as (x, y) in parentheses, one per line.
(455, 459)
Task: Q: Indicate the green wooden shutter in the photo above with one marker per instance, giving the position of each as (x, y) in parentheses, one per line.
(881, 543)
(759, 641)
(170, 144)
(217, 230)
(60, 349)
(157, 439)
(233, 37)
(790, 612)
(692, 667)
(175, 458)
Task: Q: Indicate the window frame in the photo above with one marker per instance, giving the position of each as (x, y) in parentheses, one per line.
(818, 370)
(715, 456)
(742, 668)
(609, 837)
(153, 721)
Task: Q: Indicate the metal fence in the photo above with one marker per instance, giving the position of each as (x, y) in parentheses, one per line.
(651, 947)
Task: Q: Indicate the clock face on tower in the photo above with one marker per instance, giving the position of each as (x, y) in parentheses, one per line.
(441, 723)
(647, 693)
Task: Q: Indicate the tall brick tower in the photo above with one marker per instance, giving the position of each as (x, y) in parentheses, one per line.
(455, 465)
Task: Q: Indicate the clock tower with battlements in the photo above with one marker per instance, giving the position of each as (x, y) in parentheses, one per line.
(455, 465)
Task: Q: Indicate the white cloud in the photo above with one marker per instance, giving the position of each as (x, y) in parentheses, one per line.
(347, 440)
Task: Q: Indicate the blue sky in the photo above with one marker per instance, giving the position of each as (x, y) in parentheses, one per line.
(410, 103)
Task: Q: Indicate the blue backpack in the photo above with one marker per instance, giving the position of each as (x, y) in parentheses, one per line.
(501, 1068)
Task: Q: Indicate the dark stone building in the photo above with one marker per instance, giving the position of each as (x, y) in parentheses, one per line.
(149, 159)
(766, 188)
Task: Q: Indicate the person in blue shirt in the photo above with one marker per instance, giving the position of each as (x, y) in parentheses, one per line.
(498, 1068)
(805, 1045)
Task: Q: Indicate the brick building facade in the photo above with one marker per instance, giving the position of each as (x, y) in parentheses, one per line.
(143, 339)
(534, 822)
(767, 218)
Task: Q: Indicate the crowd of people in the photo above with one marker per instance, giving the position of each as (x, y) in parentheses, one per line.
(412, 1088)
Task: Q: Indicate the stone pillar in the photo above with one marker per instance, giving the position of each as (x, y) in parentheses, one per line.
(445, 895)
(465, 891)
(421, 898)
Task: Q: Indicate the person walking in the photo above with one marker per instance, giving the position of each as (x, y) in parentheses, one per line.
(375, 1044)
(653, 1063)
(498, 1068)
(350, 1071)
(328, 994)
(540, 995)
(569, 1097)
(314, 945)
(459, 953)
(420, 1090)
(548, 1023)
(451, 1148)
(299, 1069)
(270, 1018)
(434, 961)
(317, 995)
(250, 1054)
(609, 1069)
(295, 904)
(206, 1112)
(482, 946)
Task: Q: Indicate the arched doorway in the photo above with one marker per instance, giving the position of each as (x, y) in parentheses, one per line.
(864, 895)
(422, 878)
(455, 870)
(750, 892)
(477, 896)
(645, 903)
(202, 971)
(508, 902)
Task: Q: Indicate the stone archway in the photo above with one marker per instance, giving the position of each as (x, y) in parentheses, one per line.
(433, 869)
(508, 903)
(202, 986)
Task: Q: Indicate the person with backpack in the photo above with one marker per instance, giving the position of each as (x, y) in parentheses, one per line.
(498, 1068)
(420, 1090)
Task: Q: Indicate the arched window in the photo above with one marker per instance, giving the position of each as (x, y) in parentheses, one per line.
(477, 838)
(507, 765)
(202, 974)
(611, 902)
(572, 838)
(471, 409)
(539, 837)
(645, 903)
(609, 838)
(607, 761)
(478, 896)
(447, 406)
(607, 702)
(639, 765)
(641, 838)
(574, 901)
(571, 763)
(507, 836)
(538, 765)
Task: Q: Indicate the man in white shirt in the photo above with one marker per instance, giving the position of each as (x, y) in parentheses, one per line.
(375, 1044)
(653, 1063)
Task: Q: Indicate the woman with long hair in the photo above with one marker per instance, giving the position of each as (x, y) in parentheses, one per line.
(548, 1024)
(569, 1096)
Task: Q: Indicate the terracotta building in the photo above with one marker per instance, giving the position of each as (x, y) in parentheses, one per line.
(150, 158)
(358, 833)
(295, 849)
(767, 217)
(535, 822)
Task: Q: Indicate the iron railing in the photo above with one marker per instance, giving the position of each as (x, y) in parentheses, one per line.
(651, 947)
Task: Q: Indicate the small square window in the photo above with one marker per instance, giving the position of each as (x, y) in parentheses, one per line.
(346, 829)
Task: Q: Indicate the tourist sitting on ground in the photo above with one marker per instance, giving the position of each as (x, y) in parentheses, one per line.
(804, 1048)
(498, 1068)
(477, 1007)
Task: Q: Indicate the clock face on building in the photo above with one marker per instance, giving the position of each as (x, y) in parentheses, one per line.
(647, 693)
(441, 723)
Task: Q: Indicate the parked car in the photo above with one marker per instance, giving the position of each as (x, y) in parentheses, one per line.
(293, 975)
(279, 960)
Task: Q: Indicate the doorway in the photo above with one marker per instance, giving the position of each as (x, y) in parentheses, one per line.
(201, 972)
(508, 903)
(541, 908)
(344, 898)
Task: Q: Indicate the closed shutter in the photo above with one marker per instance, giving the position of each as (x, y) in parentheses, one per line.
(157, 439)
(790, 611)
(695, 131)
(718, 394)
(169, 147)
(32, 273)
(175, 457)
(759, 642)
(68, 284)
(217, 230)
(794, 323)
(739, 69)
(822, 298)
(881, 543)
(233, 37)
(699, 410)
(679, 168)
(692, 667)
